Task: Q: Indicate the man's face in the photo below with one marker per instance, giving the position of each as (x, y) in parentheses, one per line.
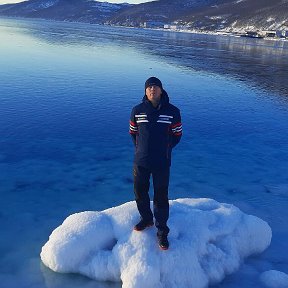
(153, 93)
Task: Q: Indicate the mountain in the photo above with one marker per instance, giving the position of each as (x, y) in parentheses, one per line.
(166, 11)
(211, 15)
(248, 14)
(65, 10)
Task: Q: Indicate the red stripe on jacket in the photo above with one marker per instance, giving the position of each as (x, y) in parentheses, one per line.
(176, 125)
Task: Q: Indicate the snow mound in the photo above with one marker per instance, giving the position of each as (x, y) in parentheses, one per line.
(208, 240)
(274, 279)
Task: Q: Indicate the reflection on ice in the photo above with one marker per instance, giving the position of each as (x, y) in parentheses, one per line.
(262, 63)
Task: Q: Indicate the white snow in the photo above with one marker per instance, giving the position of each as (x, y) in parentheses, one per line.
(41, 5)
(208, 240)
(274, 279)
(270, 19)
(215, 17)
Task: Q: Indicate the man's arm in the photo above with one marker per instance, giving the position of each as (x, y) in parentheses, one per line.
(176, 129)
(133, 130)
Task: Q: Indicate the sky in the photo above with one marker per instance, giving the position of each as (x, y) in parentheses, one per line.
(111, 1)
(9, 1)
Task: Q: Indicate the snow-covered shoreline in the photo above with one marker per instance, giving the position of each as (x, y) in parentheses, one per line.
(236, 33)
(216, 33)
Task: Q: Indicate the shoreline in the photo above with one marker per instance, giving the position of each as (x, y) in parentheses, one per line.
(236, 34)
(215, 33)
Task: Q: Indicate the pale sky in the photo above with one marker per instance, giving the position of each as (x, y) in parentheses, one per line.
(8, 1)
(111, 1)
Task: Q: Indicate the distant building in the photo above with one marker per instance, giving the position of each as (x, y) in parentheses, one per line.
(172, 27)
(153, 24)
(270, 34)
(253, 34)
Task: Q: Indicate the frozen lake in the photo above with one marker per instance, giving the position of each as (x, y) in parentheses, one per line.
(66, 92)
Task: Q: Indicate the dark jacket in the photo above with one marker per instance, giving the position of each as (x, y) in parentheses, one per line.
(155, 131)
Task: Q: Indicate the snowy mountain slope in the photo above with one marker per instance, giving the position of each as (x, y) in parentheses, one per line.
(260, 14)
(162, 10)
(68, 10)
(26, 7)
(210, 14)
(197, 14)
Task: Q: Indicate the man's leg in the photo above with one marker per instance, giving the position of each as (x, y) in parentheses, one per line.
(160, 201)
(141, 191)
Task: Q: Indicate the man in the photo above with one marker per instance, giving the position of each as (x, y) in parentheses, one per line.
(155, 127)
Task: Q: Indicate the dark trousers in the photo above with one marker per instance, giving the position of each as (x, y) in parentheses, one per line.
(160, 178)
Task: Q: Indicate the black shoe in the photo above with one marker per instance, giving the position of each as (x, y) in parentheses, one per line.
(142, 225)
(163, 241)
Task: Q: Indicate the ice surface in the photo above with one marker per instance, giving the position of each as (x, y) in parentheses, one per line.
(57, 159)
(274, 279)
(208, 240)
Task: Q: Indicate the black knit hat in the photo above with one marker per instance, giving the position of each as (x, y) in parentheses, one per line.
(153, 81)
